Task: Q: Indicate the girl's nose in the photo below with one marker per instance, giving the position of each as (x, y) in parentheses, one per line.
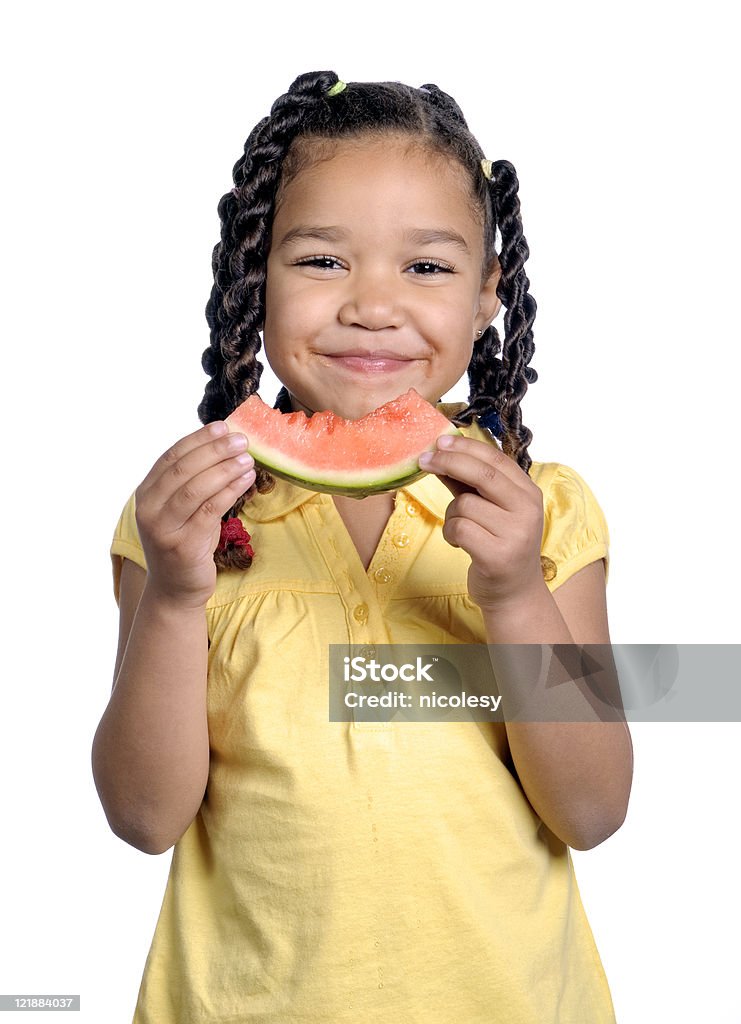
(372, 301)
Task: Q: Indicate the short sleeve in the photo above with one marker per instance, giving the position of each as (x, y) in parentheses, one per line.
(126, 543)
(575, 529)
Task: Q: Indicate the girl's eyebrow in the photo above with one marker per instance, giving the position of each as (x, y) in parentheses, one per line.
(302, 231)
(417, 236)
(437, 236)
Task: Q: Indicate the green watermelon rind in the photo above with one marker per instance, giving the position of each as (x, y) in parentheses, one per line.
(360, 484)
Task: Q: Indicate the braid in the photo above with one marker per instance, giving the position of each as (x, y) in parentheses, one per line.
(520, 311)
(500, 384)
(236, 308)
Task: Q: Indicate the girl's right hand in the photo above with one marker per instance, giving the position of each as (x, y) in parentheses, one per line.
(179, 506)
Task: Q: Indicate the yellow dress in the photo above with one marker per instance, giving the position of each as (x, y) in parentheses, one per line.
(364, 872)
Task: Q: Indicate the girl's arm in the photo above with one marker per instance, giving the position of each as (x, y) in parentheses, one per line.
(577, 775)
(151, 751)
(575, 769)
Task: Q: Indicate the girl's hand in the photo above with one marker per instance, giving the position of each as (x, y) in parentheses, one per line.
(496, 516)
(179, 506)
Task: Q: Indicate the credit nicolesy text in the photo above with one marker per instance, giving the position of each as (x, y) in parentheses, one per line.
(358, 670)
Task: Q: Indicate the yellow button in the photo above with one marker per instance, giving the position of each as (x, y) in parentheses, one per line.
(360, 613)
(401, 540)
(382, 575)
(368, 653)
(549, 568)
(412, 510)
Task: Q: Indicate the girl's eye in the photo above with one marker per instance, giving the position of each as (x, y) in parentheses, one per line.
(322, 262)
(430, 267)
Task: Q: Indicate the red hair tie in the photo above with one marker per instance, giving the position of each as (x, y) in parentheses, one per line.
(234, 533)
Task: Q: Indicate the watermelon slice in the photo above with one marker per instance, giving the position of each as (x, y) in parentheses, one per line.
(325, 452)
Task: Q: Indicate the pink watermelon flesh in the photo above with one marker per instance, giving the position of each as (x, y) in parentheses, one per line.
(325, 452)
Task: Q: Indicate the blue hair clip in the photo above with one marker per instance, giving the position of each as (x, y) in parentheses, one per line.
(492, 423)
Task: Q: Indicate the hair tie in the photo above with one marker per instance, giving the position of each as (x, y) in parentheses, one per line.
(486, 168)
(492, 423)
(234, 533)
(337, 88)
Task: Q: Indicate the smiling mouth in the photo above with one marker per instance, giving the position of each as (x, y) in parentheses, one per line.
(376, 361)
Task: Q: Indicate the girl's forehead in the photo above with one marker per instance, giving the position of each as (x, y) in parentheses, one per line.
(389, 170)
(309, 154)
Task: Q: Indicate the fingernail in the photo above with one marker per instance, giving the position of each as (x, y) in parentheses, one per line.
(237, 442)
(425, 459)
(446, 441)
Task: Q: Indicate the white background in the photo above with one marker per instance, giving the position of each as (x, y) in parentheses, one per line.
(121, 128)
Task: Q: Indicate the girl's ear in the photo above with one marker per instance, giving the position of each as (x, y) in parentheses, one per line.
(489, 302)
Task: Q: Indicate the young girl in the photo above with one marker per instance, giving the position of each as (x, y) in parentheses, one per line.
(363, 872)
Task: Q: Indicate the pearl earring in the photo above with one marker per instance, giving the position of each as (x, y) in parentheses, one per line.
(479, 334)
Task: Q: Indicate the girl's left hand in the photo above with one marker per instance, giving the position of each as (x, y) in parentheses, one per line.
(496, 516)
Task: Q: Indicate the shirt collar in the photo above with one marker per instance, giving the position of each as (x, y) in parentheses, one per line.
(429, 491)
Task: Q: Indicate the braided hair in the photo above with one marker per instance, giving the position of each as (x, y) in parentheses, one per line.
(303, 125)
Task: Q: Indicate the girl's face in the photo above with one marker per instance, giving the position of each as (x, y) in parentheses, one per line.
(374, 279)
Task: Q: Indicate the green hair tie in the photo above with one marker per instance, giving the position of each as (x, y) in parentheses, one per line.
(337, 88)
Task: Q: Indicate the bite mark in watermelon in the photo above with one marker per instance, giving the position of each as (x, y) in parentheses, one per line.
(325, 452)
